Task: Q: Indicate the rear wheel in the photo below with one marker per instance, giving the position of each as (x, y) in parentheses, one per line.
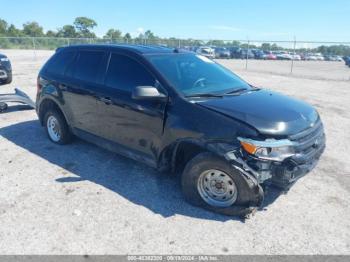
(57, 128)
(210, 182)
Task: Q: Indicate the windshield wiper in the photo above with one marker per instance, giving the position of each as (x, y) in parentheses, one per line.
(240, 90)
(204, 95)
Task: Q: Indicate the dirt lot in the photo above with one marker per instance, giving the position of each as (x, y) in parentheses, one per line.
(80, 199)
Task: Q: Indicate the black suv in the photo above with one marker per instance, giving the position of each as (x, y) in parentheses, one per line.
(182, 112)
(5, 70)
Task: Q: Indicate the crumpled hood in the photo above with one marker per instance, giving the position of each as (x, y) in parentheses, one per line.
(269, 112)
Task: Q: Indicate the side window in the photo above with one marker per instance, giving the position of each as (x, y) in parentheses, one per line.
(125, 73)
(88, 65)
(60, 62)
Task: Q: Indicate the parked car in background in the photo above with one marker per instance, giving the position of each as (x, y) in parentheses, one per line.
(259, 54)
(319, 57)
(5, 70)
(339, 58)
(310, 57)
(183, 113)
(235, 52)
(206, 51)
(347, 60)
(295, 56)
(222, 52)
(246, 53)
(283, 55)
(269, 55)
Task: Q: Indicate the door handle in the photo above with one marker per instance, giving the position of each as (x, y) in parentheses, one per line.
(106, 100)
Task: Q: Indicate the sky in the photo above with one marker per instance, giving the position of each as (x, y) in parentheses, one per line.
(312, 20)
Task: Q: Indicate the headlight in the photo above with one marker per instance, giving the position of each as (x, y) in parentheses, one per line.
(4, 59)
(270, 149)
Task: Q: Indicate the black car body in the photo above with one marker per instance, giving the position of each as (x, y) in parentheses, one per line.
(161, 106)
(347, 60)
(5, 70)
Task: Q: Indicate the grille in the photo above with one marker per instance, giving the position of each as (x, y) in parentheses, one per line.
(309, 142)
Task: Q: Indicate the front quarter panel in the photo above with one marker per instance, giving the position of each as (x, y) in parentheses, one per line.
(188, 121)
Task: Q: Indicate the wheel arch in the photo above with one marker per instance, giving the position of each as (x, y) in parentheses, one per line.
(178, 154)
(46, 104)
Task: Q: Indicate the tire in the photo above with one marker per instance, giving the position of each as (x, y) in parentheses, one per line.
(3, 107)
(191, 178)
(9, 79)
(61, 127)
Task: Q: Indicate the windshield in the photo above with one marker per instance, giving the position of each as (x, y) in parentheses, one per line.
(195, 74)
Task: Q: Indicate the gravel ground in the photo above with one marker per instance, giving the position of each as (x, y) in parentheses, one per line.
(80, 199)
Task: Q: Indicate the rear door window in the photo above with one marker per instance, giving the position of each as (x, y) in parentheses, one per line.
(125, 73)
(59, 63)
(88, 66)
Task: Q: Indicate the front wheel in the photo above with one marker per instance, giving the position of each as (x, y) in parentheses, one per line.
(210, 182)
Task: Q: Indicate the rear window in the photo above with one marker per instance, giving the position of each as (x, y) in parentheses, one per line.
(88, 65)
(59, 63)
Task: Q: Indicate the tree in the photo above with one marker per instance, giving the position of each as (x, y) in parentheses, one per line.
(266, 46)
(67, 31)
(50, 33)
(32, 29)
(3, 27)
(113, 34)
(127, 37)
(83, 26)
(13, 31)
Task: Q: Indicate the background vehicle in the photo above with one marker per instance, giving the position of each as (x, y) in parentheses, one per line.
(5, 70)
(269, 55)
(182, 112)
(235, 52)
(310, 57)
(319, 57)
(347, 60)
(206, 51)
(295, 56)
(222, 52)
(246, 53)
(258, 54)
(6, 78)
(283, 55)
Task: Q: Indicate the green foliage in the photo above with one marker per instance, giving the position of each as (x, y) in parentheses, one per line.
(12, 31)
(81, 32)
(3, 27)
(334, 50)
(113, 34)
(32, 29)
(67, 31)
(83, 26)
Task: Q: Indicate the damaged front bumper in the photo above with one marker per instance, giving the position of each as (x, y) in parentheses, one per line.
(308, 145)
(17, 97)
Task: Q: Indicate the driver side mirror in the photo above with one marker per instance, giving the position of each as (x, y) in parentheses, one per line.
(147, 93)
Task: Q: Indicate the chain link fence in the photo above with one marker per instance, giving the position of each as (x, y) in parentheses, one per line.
(316, 60)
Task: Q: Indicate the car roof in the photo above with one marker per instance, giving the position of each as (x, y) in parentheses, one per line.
(139, 49)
